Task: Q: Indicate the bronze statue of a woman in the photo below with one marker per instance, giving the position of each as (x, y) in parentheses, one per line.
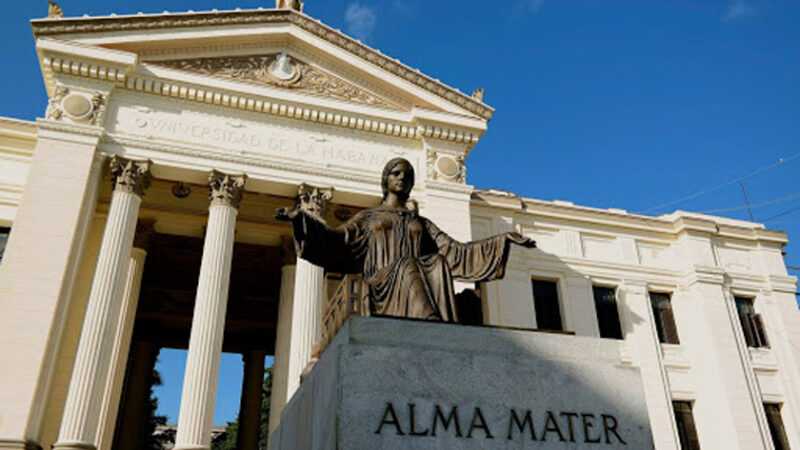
(407, 262)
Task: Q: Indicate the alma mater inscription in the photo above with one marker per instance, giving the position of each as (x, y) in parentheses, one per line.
(547, 426)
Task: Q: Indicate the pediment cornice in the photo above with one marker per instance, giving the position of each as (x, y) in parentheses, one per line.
(84, 26)
(60, 57)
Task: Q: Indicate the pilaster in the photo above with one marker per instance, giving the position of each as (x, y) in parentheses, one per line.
(38, 272)
(639, 330)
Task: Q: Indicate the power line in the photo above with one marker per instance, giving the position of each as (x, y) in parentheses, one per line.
(728, 183)
(782, 214)
(754, 205)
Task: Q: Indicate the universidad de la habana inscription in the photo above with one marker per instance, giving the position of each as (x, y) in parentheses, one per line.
(251, 138)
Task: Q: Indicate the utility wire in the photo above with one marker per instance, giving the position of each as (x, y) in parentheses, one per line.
(754, 205)
(781, 214)
(728, 183)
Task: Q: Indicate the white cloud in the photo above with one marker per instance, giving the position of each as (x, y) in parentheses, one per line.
(360, 20)
(739, 9)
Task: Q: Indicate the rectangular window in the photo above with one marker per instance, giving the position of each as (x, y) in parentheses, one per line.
(752, 326)
(776, 429)
(665, 321)
(4, 231)
(687, 432)
(605, 302)
(545, 301)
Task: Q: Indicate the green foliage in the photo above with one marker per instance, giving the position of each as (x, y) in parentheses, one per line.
(153, 440)
(227, 440)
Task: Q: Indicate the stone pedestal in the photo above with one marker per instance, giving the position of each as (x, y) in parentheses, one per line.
(401, 384)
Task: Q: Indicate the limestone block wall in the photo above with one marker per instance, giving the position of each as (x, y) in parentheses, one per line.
(702, 262)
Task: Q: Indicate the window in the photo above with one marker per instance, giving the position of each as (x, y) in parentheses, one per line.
(4, 231)
(752, 327)
(605, 302)
(687, 433)
(545, 301)
(779, 439)
(665, 321)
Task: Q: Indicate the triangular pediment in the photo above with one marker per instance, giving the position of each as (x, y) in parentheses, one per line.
(240, 46)
(281, 70)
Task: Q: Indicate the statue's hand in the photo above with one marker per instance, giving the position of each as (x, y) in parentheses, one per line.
(286, 214)
(519, 239)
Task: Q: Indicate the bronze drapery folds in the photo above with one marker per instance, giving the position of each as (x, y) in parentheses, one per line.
(406, 261)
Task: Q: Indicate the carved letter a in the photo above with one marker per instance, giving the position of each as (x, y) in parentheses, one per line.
(391, 421)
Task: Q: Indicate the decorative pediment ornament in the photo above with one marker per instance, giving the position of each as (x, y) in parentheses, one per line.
(283, 71)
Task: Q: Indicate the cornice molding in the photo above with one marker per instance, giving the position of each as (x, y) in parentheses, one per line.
(50, 27)
(682, 224)
(225, 98)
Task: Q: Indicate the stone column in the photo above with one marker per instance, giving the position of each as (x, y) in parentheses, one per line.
(208, 321)
(309, 294)
(122, 339)
(280, 366)
(308, 300)
(137, 395)
(84, 397)
(250, 407)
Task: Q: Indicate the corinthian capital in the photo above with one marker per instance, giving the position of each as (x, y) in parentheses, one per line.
(128, 175)
(314, 200)
(225, 189)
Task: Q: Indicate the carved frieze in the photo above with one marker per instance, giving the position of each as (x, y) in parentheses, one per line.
(76, 106)
(280, 70)
(445, 166)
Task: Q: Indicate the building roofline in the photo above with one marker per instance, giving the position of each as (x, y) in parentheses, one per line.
(61, 26)
(675, 222)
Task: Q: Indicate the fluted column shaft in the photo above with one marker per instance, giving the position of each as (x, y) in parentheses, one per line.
(120, 350)
(208, 322)
(250, 406)
(309, 288)
(87, 386)
(280, 366)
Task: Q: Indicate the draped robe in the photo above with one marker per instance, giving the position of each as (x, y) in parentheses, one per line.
(407, 262)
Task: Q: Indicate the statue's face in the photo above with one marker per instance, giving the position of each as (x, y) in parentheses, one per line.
(400, 179)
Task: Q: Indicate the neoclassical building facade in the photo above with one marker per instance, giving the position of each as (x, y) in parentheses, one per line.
(139, 215)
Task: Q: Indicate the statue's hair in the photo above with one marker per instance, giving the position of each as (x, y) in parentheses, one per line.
(387, 169)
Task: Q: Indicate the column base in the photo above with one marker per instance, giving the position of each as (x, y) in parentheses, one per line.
(17, 444)
(74, 445)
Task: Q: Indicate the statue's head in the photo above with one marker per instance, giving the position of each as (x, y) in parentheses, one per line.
(401, 173)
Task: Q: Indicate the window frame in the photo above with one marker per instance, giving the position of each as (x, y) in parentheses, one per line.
(776, 430)
(662, 333)
(7, 231)
(559, 300)
(751, 323)
(679, 416)
(616, 290)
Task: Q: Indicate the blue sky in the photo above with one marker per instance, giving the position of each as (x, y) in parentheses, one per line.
(626, 104)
